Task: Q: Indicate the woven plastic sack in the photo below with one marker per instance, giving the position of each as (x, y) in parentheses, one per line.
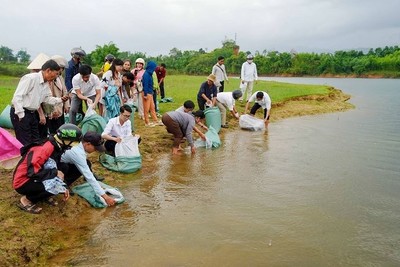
(5, 120)
(121, 164)
(212, 139)
(213, 118)
(86, 191)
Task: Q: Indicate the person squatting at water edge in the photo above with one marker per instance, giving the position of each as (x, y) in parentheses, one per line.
(74, 164)
(182, 124)
(262, 100)
(36, 176)
(118, 128)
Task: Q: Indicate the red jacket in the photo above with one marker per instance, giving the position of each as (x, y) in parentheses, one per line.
(31, 165)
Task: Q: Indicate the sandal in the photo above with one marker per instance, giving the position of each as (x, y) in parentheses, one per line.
(51, 201)
(29, 208)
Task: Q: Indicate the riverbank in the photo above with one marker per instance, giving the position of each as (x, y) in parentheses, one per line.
(30, 240)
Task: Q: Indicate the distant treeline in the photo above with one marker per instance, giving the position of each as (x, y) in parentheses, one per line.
(379, 62)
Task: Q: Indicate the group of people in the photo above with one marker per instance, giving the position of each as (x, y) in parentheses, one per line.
(42, 98)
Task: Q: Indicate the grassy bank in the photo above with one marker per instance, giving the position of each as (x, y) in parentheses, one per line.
(29, 240)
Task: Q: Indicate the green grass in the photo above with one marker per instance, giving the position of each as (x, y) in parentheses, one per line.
(184, 87)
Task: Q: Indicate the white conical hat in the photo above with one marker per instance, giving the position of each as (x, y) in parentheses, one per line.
(61, 61)
(38, 62)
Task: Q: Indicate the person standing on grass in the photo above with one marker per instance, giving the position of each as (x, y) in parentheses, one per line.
(182, 124)
(161, 72)
(33, 90)
(148, 103)
(220, 73)
(248, 75)
(207, 95)
(262, 100)
(55, 114)
(137, 89)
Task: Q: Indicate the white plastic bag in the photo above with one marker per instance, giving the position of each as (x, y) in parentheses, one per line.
(90, 111)
(251, 123)
(128, 147)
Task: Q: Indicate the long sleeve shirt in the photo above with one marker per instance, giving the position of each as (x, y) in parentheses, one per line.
(31, 91)
(219, 72)
(186, 122)
(77, 156)
(249, 72)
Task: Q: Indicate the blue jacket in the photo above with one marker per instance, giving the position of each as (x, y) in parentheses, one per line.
(147, 79)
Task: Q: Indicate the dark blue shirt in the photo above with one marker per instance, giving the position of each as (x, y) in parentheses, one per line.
(210, 92)
(70, 72)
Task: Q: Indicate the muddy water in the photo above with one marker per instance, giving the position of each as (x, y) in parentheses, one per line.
(312, 191)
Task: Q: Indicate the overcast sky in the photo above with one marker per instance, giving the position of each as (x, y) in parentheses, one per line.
(156, 26)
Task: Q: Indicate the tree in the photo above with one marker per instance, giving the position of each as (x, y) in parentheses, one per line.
(6, 54)
(96, 57)
(23, 56)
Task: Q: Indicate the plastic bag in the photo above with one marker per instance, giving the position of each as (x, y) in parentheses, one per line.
(90, 111)
(128, 147)
(251, 123)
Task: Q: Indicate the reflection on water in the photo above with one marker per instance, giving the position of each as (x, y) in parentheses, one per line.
(312, 191)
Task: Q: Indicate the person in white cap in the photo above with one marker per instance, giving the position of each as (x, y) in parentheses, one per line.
(248, 75)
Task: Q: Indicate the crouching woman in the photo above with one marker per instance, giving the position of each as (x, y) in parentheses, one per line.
(38, 166)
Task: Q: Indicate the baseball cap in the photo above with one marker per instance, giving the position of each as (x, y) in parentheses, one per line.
(95, 139)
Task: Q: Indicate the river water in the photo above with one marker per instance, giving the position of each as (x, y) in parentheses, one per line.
(312, 191)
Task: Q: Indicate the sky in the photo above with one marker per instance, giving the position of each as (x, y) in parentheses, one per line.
(156, 26)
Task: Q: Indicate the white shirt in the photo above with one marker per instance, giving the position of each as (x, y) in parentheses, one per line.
(265, 103)
(226, 99)
(88, 88)
(31, 91)
(114, 128)
(248, 72)
(77, 156)
(219, 72)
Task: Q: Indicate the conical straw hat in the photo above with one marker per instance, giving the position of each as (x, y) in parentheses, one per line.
(38, 62)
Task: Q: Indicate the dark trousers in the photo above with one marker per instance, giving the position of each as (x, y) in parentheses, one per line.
(54, 124)
(201, 102)
(26, 129)
(221, 88)
(34, 191)
(162, 91)
(155, 100)
(255, 108)
(71, 172)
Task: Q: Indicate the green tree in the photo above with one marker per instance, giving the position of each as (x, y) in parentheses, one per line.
(23, 56)
(96, 57)
(6, 54)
